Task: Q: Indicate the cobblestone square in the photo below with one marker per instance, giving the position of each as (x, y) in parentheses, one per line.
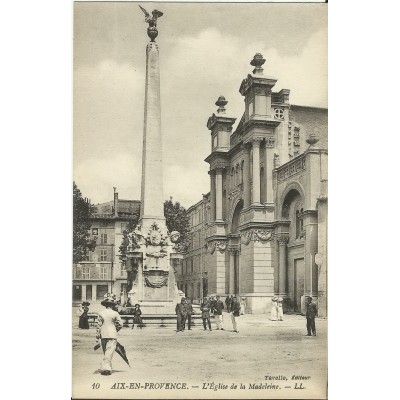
(200, 362)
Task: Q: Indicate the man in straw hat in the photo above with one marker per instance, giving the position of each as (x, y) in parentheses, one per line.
(108, 324)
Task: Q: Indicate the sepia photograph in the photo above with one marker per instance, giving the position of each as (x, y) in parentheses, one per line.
(200, 200)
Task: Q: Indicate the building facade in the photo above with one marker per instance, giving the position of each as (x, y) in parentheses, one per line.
(262, 229)
(102, 272)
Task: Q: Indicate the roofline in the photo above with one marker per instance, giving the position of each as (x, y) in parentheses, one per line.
(308, 107)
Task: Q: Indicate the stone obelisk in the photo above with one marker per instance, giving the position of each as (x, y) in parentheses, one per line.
(150, 260)
(152, 196)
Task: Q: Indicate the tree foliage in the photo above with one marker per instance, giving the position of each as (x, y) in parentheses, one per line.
(81, 241)
(178, 220)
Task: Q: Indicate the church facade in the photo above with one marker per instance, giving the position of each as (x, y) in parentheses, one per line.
(262, 229)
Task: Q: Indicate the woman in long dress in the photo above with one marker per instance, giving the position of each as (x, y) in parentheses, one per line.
(274, 309)
(280, 309)
(84, 318)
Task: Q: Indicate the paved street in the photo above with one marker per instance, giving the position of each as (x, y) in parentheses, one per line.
(197, 358)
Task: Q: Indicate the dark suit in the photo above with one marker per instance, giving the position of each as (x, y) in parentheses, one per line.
(228, 304)
(189, 311)
(310, 315)
(180, 317)
(205, 315)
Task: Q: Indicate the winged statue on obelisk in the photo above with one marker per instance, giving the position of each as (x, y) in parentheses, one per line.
(152, 31)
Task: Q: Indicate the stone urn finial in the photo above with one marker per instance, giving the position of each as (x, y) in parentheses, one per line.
(257, 61)
(312, 139)
(221, 103)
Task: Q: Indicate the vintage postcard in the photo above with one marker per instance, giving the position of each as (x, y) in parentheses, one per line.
(200, 200)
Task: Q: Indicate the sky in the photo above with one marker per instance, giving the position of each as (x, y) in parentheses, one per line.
(205, 51)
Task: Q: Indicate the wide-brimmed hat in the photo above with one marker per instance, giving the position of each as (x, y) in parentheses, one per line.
(274, 298)
(108, 301)
(86, 303)
(280, 299)
(137, 305)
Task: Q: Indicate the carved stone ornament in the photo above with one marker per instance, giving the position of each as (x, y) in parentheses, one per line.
(174, 236)
(155, 237)
(233, 250)
(257, 235)
(269, 142)
(277, 162)
(257, 61)
(155, 279)
(136, 239)
(282, 238)
(216, 245)
(221, 103)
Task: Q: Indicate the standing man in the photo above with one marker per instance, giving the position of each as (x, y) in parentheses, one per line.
(205, 313)
(180, 315)
(218, 307)
(310, 315)
(189, 312)
(108, 324)
(228, 303)
(235, 313)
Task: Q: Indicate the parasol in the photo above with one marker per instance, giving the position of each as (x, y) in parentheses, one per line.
(119, 349)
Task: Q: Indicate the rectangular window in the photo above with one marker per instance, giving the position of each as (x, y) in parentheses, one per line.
(103, 273)
(86, 256)
(85, 272)
(103, 255)
(104, 238)
(103, 223)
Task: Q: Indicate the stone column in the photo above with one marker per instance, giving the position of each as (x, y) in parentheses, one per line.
(282, 240)
(269, 156)
(218, 195)
(232, 253)
(212, 195)
(94, 292)
(310, 218)
(256, 171)
(84, 293)
(246, 177)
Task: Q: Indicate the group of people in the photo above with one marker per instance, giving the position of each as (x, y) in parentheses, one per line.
(276, 309)
(184, 311)
(109, 321)
(311, 313)
(208, 306)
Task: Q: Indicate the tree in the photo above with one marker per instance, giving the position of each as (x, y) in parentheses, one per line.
(82, 211)
(178, 220)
